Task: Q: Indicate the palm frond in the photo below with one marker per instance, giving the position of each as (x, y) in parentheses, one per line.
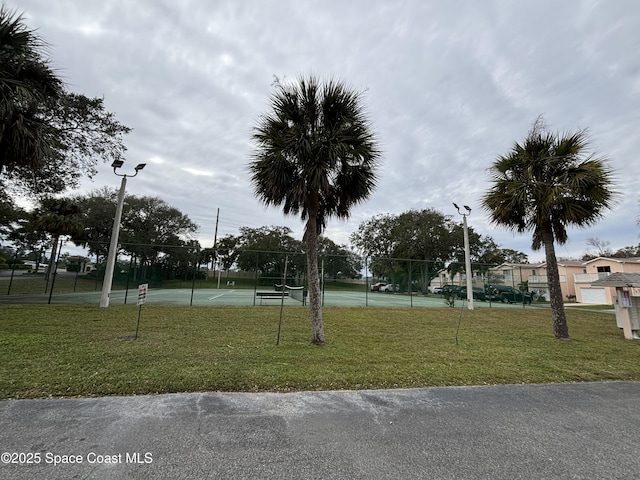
(549, 181)
(315, 146)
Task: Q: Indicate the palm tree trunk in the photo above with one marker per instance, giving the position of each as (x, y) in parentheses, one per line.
(39, 258)
(52, 260)
(315, 300)
(560, 327)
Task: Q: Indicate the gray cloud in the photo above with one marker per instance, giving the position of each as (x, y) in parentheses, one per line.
(448, 87)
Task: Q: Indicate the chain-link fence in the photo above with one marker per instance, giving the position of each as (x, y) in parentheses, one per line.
(184, 275)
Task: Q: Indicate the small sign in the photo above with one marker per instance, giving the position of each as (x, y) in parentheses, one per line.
(142, 293)
(635, 291)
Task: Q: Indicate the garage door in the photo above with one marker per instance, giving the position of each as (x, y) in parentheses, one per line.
(593, 296)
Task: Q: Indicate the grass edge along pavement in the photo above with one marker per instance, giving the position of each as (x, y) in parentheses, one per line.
(77, 350)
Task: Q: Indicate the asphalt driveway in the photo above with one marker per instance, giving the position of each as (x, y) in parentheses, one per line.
(564, 431)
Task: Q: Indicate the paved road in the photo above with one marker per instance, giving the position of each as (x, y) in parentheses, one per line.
(566, 431)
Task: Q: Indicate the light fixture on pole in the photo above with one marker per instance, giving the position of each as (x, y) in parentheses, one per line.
(467, 255)
(113, 246)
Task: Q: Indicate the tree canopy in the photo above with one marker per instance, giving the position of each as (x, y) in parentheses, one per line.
(263, 249)
(424, 235)
(149, 225)
(49, 137)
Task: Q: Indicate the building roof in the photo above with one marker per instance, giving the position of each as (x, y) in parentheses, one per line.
(581, 263)
(517, 265)
(619, 279)
(569, 263)
(565, 263)
(617, 260)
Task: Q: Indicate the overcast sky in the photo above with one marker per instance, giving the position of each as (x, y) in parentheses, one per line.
(449, 86)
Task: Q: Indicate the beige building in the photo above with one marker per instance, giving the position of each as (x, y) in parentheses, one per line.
(597, 269)
(515, 274)
(576, 278)
(567, 270)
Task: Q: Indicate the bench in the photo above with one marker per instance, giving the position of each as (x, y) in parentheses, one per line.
(271, 295)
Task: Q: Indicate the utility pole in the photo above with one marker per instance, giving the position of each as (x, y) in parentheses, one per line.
(467, 255)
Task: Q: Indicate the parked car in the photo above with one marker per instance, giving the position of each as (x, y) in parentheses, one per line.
(478, 293)
(389, 287)
(377, 286)
(506, 294)
(450, 290)
(437, 291)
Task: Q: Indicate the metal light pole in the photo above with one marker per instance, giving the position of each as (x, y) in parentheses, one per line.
(113, 246)
(467, 255)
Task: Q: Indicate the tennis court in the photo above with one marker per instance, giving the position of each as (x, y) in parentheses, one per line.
(245, 297)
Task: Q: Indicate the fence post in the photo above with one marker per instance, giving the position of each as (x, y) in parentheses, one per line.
(195, 269)
(410, 285)
(255, 282)
(126, 290)
(366, 281)
(13, 269)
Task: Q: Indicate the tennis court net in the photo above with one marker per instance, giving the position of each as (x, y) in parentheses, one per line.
(297, 293)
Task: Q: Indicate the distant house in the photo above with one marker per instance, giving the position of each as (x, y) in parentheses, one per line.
(77, 263)
(597, 269)
(567, 269)
(460, 278)
(444, 278)
(517, 275)
(512, 274)
(576, 278)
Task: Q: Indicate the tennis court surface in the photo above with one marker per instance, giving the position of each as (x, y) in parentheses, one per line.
(244, 297)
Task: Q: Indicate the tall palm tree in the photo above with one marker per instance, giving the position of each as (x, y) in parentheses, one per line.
(316, 156)
(27, 82)
(544, 185)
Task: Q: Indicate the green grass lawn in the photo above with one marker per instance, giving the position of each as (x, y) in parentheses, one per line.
(36, 284)
(48, 350)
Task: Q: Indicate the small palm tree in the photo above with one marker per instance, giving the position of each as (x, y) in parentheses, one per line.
(57, 217)
(544, 185)
(316, 156)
